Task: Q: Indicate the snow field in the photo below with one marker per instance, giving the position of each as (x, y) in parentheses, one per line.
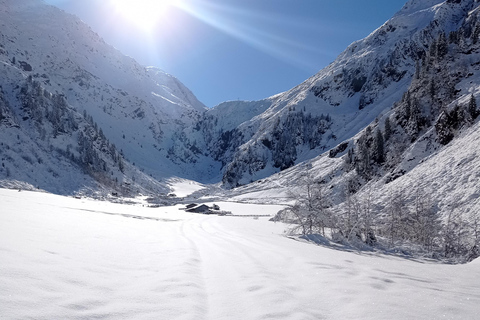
(66, 258)
(182, 188)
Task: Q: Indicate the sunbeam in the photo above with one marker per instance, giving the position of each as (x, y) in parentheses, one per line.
(257, 30)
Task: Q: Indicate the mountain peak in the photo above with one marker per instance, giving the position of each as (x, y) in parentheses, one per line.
(413, 6)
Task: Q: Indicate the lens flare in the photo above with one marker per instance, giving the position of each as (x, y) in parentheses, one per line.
(144, 14)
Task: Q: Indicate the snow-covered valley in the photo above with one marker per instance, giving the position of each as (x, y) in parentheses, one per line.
(378, 152)
(67, 258)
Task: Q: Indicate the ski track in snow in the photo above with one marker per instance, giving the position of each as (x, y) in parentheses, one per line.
(64, 258)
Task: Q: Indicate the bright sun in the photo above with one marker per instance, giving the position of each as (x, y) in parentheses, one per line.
(145, 14)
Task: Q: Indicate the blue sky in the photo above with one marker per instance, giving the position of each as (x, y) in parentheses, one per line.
(237, 49)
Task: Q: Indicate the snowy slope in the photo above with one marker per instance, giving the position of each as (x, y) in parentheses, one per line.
(64, 258)
(362, 84)
(141, 110)
(48, 144)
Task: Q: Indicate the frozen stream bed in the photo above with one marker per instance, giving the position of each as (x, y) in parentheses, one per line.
(66, 258)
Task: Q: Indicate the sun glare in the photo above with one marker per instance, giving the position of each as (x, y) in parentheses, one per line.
(145, 14)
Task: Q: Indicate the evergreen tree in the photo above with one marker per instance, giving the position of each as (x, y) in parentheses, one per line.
(453, 37)
(432, 50)
(121, 165)
(363, 164)
(476, 33)
(418, 69)
(350, 157)
(432, 90)
(388, 129)
(415, 117)
(442, 46)
(408, 106)
(472, 107)
(379, 147)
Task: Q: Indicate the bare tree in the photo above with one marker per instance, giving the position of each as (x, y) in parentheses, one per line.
(368, 218)
(474, 251)
(310, 211)
(357, 220)
(426, 223)
(395, 222)
(349, 219)
(455, 234)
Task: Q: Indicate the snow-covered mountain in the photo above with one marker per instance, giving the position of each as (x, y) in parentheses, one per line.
(362, 84)
(47, 55)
